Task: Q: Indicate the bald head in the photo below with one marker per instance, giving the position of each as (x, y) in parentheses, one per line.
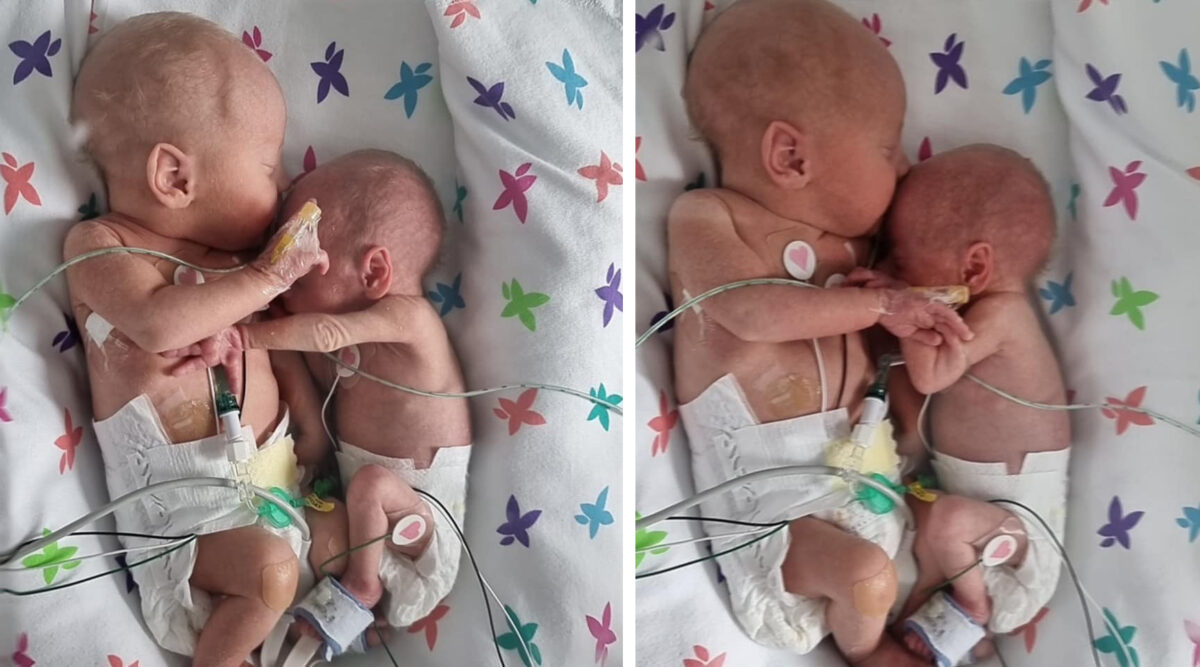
(806, 62)
(977, 193)
(375, 198)
(167, 77)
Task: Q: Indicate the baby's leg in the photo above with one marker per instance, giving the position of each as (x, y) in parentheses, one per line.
(330, 537)
(256, 571)
(375, 500)
(856, 576)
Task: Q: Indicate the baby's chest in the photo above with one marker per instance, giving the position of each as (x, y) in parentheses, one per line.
(820, 259)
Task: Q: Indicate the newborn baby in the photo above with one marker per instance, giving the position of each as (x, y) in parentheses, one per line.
(186, 125)
(382, 227)
(806, 128)
(982, 216)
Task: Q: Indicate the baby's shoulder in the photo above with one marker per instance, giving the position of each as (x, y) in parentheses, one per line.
(700, 206)
(1007, 312)
(91, 235)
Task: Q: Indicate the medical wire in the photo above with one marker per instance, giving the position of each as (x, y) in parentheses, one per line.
(706, 538)
(429, 394)
(103, 554)
(713, 556)
(76, 582)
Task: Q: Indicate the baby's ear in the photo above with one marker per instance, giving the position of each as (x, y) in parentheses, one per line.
(786, 155)
(171, 175)
(978, 267)
(377, 272)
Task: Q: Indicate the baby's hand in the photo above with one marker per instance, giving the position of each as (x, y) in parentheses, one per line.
(908, 314)
(293, 250)
(221, 349)
(871, 279)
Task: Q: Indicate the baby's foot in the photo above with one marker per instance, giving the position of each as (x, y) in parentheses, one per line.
(890, 654)
(366, 589)
(917, 646)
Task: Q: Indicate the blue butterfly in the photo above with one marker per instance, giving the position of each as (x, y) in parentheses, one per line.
(572, 81)
(594, 515)
(1027, 81)
(448, 296)
(411, 81)
(1191, 521)
(1186, 83)
(600, 412)
(1058, 294)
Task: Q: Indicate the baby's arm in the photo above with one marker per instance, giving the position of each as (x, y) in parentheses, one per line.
(395, 319)
(132, 295)
(932, 368)
(297, 389)
(706, 251)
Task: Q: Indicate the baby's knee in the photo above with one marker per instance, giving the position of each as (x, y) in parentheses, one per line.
(279, 573)
(871, 580)
(366, 486)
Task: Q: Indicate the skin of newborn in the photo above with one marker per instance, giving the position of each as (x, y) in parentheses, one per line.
(186, 125)
(382, 227)
(979, 216)
(805, 122)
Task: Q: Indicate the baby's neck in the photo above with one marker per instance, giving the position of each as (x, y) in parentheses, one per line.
(799, 207)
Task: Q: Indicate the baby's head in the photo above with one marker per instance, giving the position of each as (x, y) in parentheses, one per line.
(381, 223)
(979, 216)
(803, 108)
(186, 125)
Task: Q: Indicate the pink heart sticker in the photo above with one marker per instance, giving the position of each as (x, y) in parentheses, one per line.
(408, 530)
(999, 549)
(799, 260)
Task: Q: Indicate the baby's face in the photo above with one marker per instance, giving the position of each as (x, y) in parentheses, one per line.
(916, 256)
(340, 289)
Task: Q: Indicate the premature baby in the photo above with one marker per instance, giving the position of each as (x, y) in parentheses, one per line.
(982, 216)
(186, 125)
(382, 226)
(806, 128)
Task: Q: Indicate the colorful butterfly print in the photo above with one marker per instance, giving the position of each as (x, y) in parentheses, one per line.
(1058, 294)
(1120, 644)
(517, 526)
(68, 442)
(1122, 412)
(18, 183)
(1105, 89)
(640, 174)
(600, 412)
(648, 29)
(702, 658)
(1192, 629)
(90, 209)
(610, 294)
(1071, 205)
(1116, 531)
(254, 42)
(875, 26)
(602, 632)
(1029, 77)
(460, 10)
(520, 412)
(1084, 4)
(594, 515)
(644, 540)
(329, 73)
(50, 559)
(1186, 83)
(605, 173)
(410, 84)
(572, 82)
(68, 338)
(428, 625)
(509, 641)
(35, 56)
(654, 319)
(448, 297)
(1190, 521)
(948, 65)
(116, 661)
(460, 196)
(20, 657)
(925, 150)
(1130, 302)
(493, 98)
(521, 304)
(515, 185)
(1029, 630)
(662, 425)
(1125, 184)
(4, 415)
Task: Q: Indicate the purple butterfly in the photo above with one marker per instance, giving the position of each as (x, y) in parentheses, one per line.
(1106, 89)
(1119, 524)
(69, 338)
(648, 28)
(663, 313)
(34, 56)
(948, 66)
(518, 525)
(611, 293)
(330, 73)
(492, 98)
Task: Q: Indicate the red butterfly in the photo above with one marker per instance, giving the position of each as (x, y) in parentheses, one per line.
(662, 425)
(429, 625)
(519, 413)
(68, 442)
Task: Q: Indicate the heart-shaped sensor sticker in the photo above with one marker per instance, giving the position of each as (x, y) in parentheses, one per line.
(799, 260)
(408, 530)
(998, 550)
(351, 357)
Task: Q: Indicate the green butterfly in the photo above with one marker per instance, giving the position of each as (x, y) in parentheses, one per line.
(600, 412)
(1120, 645)
(644, 539)
(6, 305)
(520, 304)
(50, 559)
(509, 641)
(1130, 302)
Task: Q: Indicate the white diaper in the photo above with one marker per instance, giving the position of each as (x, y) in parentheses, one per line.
(1017, 593)
(137, 453)
(726, 442)
(415, 587)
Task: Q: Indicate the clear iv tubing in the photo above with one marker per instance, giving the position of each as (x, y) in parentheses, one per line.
(70, 528)
(429, 394)
(769, 473)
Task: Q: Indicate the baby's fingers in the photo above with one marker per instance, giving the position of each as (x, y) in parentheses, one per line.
(190, 351)
(953, 321)
(927, 337)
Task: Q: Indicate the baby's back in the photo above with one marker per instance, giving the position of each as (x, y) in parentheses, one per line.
(987, 427)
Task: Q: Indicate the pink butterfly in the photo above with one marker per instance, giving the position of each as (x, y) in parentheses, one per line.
(429, 625)
(460, 10)
(1124, 416)
(4, 416)
(20, 657)
(254, 41)
(68, 442)
(1029, 630)
(1125, 185)
(875, 25)
(1193, 632)
(17, 179)
(114, 661)
(702, 659)
(925, 151)
(519, 413)
(1194, 172)
(515, 186)
(605, 174)
(602, 631)
(662, 425)
(1088, 3)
